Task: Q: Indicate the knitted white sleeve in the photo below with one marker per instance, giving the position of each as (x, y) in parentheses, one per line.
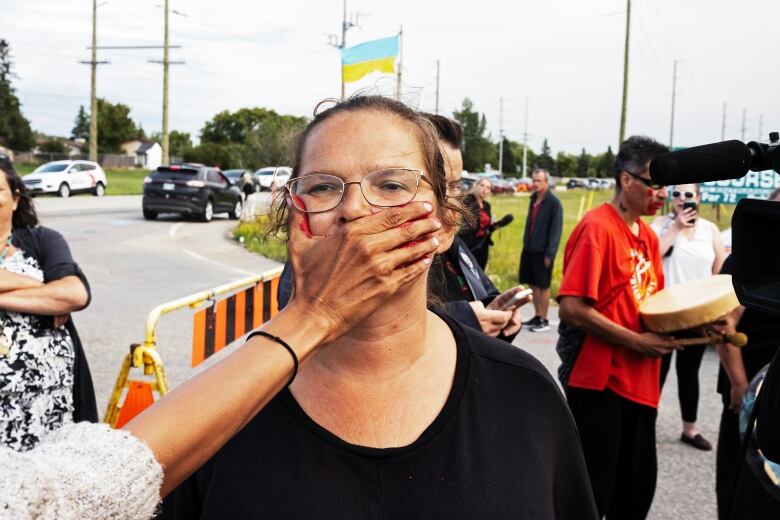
(82, 470)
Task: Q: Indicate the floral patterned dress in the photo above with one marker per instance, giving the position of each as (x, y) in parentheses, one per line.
(36, 369)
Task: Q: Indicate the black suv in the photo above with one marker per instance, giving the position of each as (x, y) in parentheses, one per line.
(190, 189)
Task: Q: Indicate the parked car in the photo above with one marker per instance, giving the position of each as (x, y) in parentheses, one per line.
(597, 184)
(244, 180)
(573, 184)
(272, 174)
(190, 189)
(67, 177)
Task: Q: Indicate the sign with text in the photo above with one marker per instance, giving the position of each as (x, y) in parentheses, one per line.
(754, 185)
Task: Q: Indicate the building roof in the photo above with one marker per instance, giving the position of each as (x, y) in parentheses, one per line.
(145, 147)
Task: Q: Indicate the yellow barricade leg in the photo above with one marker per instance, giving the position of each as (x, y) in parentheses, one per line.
(139, 394)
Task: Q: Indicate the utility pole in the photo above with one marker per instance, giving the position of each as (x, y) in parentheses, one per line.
(625, 76)
(93, 113)
(437, 87)
(343, 41)
(744, 128)
(93, 63)
(501, 136)
(723, 124)
(165, 150)
(400, 63)
(525, 140)
(760, 127)
(674, 97)
(333, 39)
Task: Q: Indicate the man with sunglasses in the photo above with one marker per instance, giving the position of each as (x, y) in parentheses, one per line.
(612, 263)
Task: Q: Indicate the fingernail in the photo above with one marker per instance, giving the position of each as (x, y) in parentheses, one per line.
(436, 242)
(428, 206)
(437, 223)
(426, 260)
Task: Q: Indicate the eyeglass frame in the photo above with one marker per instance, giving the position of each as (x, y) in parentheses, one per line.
(420, 174)
(647, 182)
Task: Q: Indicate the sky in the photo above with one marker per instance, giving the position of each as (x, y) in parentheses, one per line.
(564, 56)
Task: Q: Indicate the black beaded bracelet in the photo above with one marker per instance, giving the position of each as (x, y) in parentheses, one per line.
(283, 343)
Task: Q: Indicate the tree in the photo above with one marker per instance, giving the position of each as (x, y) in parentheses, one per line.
(517, 151)
(509, 162)
(52, 145)
(15, 131)
(545, 160)
(605, 164)
(477, 147)
(81, 126)
(566, 164)
(179, 143)
(116, 127)
(583, 164)
(264, 134)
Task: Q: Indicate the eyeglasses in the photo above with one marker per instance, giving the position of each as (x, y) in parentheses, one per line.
(688, 194)
(386, 188)
(647, 182)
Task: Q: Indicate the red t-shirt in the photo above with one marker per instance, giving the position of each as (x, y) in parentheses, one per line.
(615, 271)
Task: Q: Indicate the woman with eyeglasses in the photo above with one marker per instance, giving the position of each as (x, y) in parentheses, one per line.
(408, 414)
(692, 248)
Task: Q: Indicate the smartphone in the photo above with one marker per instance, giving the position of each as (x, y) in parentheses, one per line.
(690, 205)
(515, 299)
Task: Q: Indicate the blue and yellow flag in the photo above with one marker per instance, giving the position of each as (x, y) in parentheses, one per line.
(367, 57)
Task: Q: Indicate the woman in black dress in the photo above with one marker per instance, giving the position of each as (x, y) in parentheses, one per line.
(408, 414)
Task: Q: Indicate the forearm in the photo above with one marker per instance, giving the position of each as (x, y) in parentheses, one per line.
(586, 318)
(187, 426)
(14, 281)
(55, 298)
(731, 359)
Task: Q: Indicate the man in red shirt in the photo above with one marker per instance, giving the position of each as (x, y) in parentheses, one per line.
(610, 265)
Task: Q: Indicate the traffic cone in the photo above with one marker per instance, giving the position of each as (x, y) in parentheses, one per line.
(139, 398)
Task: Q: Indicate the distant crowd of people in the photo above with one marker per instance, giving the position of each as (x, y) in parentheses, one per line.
(387, 385)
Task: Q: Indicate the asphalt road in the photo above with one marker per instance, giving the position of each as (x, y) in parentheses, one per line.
(134, 265)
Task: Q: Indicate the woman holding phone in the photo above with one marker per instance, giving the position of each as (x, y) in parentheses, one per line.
(408, 414)
(691, 248)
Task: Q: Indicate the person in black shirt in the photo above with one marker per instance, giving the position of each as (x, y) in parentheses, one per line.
(738, 367)
(408, 414)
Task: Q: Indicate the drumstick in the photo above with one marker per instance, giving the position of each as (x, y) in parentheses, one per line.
(737, 339)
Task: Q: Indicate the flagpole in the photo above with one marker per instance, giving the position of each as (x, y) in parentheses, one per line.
(400, 63)
(343, 43)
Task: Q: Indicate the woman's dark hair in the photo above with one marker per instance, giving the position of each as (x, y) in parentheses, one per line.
(24, 215)
(634, 154)
(424, 130)
(448, 129)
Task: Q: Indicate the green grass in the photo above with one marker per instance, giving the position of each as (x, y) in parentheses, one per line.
(252, 235)
(505, 254)
(121, 181)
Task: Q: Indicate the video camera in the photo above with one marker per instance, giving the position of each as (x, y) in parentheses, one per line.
(756, 250)
(755, 224)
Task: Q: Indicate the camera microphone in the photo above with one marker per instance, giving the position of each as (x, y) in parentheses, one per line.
(709, 162)
(717, 161)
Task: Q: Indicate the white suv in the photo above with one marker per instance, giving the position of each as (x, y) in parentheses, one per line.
(276, 175)
(66, 177)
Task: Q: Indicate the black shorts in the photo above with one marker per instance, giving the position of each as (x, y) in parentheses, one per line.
(533, 272)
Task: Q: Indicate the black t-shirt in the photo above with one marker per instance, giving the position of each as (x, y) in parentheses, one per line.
(503, 446)
(763, 332)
